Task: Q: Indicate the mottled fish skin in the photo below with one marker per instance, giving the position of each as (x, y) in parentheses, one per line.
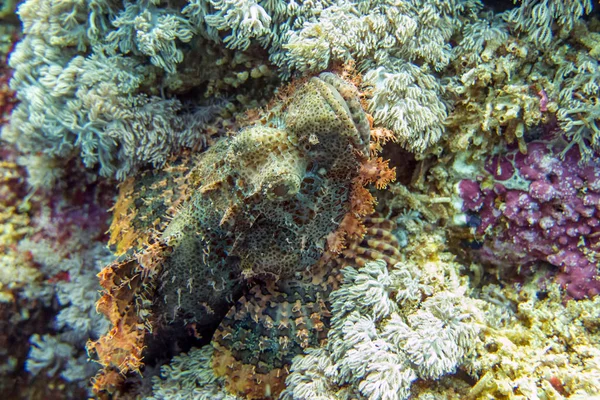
(275, 321)
(266, 200)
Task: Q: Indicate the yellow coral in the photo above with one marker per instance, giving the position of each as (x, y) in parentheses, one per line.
(16, 269)
(544, 349)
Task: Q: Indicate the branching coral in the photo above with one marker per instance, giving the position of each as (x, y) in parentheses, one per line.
(496, 95)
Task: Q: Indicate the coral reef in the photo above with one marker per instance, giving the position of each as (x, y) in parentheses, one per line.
(86, 90)
(536, 18)
(9, 34)
(100, 69)
(189, 376)
(406, 99)
(392, 323)
(53, 244)
(67, 263)
(396, 46)
(260, 242)
(539, 206)
(379, 33)
(266, 328)
(16, 269)
(521, 320)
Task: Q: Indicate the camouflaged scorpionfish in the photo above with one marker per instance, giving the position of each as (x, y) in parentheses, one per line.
(267, 200)
(255, 207)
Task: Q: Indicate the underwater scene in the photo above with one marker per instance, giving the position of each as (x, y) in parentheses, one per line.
(300, 199)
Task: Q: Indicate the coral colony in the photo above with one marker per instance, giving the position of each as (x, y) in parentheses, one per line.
(298, 200)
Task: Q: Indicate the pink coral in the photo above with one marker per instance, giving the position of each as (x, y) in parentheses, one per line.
(540, 206)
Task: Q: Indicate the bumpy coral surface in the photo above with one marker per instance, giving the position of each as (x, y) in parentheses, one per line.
(539, 206)
(522, 319)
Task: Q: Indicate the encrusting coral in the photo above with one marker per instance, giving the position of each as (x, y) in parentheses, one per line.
(524, 318)
(537, 206)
